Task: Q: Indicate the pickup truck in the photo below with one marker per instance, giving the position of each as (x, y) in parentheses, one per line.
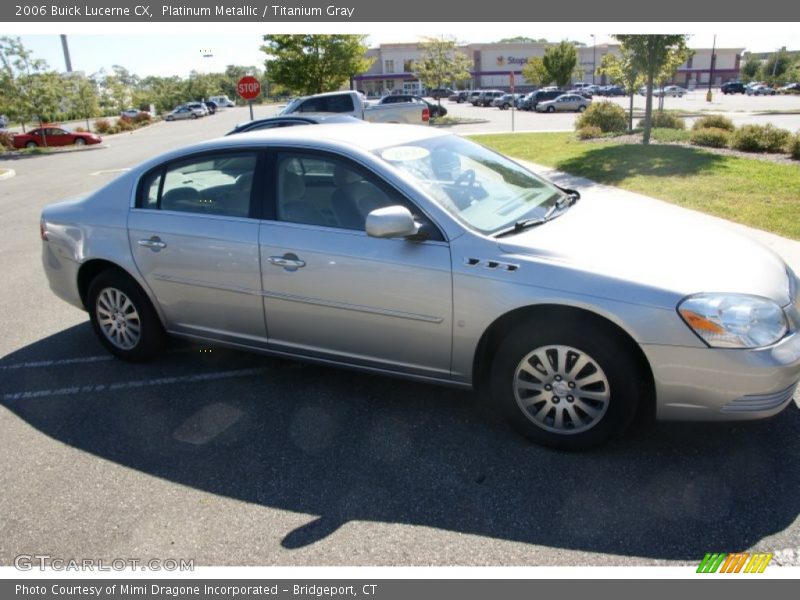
(354, 104)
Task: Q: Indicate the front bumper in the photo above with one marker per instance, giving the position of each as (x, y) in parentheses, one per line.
(715, 384)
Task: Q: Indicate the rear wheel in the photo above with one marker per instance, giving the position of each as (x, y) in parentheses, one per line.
(581, 108)
(551, 109)
(31, 144)
(566, 386)
(123, 317)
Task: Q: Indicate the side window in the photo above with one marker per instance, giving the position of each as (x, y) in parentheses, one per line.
(336, 104)
(210, 184)
(325, 191)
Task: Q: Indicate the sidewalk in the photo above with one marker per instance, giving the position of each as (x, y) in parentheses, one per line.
(788, 249)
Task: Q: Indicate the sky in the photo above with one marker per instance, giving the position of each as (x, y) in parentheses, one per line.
(159, 53)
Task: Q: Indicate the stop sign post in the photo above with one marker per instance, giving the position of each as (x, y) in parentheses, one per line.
(249, 89)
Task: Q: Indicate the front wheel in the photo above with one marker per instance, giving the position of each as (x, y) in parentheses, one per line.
(581, 108)
(31, 144)
(123, 317)
(566, 386)
(80, 142)
(551, 109)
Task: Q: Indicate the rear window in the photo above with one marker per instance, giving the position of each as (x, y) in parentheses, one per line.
(334, 104)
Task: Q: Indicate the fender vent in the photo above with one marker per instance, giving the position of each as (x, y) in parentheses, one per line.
(490, 264)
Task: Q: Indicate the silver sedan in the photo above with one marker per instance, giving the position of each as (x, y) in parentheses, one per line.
(565, 102)
(406, 251)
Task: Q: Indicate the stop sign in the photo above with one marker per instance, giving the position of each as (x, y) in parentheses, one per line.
(248, 87)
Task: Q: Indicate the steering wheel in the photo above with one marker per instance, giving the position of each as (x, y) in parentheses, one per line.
(466, 179)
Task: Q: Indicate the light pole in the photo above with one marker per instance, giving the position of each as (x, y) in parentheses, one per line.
(711, 71)
(594, 56)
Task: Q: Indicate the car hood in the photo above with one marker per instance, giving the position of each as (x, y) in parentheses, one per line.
(656, 246)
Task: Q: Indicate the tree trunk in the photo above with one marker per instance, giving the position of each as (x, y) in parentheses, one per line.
(44, 133)
(648, 106)
(630, 113)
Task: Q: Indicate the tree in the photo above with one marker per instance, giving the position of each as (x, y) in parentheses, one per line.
(82, 96)
(749, 68)
(535, 72)
(522, 39)
(623, 71)
(775, 67)
(441, 63)
(651, 54)
(30, 89)
(314, 63)
(560, 61)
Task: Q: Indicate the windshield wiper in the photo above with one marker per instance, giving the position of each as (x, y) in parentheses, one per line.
(570, 198)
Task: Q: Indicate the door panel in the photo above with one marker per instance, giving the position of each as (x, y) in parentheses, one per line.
(380, 302)
(207, 276)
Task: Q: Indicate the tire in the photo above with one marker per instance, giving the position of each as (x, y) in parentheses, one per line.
(609, 370)
(80, 142)
(551, 109)
(123, 318)
(194, 116)
(31, 144)
(581, 108)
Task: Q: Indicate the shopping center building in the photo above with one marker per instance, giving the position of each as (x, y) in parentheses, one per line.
(492, 66)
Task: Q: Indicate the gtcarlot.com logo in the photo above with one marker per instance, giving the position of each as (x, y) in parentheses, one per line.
(737, 562)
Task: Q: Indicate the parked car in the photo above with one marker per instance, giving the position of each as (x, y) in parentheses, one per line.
(198, 106)
(506, 101)
(51, 135)
(291, 121)
(222, 101)
(434, 108)
(789, 88)
(472, 98)
(564, 102)
(440, 93)
(582, 92)
(354, 104)
(130, 113)
(760, 90)
(732, 87)
(674, 91)
(411, 252)
(184, 112)
(614, 90)
(542, 95)
(211, 106)
(3, 121)
(460, 97)
(486, 97)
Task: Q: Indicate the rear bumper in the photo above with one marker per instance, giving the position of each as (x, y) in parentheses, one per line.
(62, 273)
(713, 384)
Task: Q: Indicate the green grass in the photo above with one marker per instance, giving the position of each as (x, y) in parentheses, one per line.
(671, 135)
(753, 192)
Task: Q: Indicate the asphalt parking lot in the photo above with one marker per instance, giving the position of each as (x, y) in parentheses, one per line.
(230, 458)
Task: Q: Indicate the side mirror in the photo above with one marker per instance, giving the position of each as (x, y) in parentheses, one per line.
(391, 222)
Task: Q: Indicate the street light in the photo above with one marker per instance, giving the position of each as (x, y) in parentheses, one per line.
(594, 55)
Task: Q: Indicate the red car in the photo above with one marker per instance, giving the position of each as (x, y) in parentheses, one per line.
(55, 136)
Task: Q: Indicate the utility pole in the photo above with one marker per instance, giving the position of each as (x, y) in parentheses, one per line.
(594, 56)
(711, 72)
(65, 47)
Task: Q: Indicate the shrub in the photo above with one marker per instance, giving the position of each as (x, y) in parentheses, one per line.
(606, 116)
(794, 146)
(711, 137)
(124, 124)
(670, 135)
(714, 122)
(142, 119)
(6, 140)
(80, 130)
(589, 132)
(760, 138)
(102, 126)
(665, 120)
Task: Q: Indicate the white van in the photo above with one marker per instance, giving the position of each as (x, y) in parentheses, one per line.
(222, 101)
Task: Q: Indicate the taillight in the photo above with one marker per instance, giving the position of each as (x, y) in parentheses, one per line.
(42, 230)
(426, 115)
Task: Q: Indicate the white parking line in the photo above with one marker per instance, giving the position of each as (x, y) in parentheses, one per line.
(126, 385)
(107, 171)
(56, 362)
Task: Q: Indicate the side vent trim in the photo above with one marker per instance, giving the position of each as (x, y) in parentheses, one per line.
(494, 265)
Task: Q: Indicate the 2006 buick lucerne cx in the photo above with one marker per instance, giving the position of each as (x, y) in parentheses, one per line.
(404, 250)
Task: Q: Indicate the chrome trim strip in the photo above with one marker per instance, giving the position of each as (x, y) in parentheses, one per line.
(759, 402)
(384, 312)
(354, 307)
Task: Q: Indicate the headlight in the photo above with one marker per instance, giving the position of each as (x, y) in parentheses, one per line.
(734, 320)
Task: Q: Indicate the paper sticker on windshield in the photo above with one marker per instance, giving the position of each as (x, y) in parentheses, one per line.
(404, 153)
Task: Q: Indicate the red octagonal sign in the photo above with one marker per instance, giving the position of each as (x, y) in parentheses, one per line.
(248, 87)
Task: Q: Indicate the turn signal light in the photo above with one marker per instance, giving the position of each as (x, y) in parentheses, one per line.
(426, 114)
(42, 231)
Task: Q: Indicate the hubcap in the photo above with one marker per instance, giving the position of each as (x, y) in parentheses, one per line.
(118, 318)
(561, 389)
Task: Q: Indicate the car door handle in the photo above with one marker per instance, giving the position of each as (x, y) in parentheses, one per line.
(288, 261)
(154, 243)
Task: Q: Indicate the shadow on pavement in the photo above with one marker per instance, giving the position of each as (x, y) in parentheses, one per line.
(347, 446)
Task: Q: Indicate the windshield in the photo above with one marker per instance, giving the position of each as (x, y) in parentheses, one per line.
(291, 107)
(479, 187)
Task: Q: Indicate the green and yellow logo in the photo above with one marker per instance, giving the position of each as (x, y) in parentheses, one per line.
(737, 562)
